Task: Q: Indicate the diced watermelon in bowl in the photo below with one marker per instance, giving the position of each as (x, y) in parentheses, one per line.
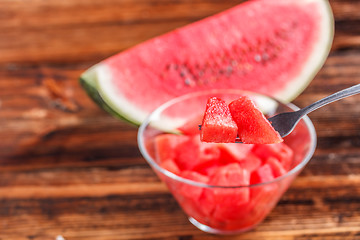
(224, 188)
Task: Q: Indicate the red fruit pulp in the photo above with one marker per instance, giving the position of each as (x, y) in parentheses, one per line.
(219, 164)
(218, 125)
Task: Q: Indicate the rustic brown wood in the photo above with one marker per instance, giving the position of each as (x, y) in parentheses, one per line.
(68, 168)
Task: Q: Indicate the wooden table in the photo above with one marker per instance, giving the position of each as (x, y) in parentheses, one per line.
(68, 168)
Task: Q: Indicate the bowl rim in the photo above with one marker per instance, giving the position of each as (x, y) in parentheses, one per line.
(173, 176)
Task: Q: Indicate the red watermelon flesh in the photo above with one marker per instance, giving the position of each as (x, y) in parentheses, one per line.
(231, 175)
(251, 162)
(268, 46)
(262, 174)
(165, 145)
(189, 191)
(229, 201)
(208, 168)
(234, 152)
(280, 151)
(253, 127)
(193, 152)
(239, 153)
(218, 125)
(191, 127)
(230, 164)
(261, 203)
(189, 196)
(277, 168)
(170, 165)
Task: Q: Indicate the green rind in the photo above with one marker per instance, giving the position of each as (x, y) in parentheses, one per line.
(88, 80)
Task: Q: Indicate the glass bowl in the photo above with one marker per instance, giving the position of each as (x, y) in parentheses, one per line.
(229, 213)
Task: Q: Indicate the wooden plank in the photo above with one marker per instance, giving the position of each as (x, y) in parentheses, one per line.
(83, 30)
(37, 118)
(68, 168)
(73, 31)
(314, 214)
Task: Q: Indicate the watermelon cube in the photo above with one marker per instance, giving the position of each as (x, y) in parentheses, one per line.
(240, 153)
(229, 202)
(189, 195)
(251, 162)
(208, 168)
(224, 164)
(193, 152)
(261, 194)
(262, 200)
(277, 168)
(191, 127)
(218, 125)
(262, 174)
(280, 151)
(166, 145)
(234, 152)
(253, 127)
(230, 175)
(191, 191)
(170, 165)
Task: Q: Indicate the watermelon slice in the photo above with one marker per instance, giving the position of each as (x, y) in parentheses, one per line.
(218, 125)
(269, 46)
(253, 127)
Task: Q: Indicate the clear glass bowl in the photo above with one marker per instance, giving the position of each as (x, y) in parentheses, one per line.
(196, 198)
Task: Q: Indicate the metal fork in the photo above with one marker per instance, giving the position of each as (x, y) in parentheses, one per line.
(285, 122)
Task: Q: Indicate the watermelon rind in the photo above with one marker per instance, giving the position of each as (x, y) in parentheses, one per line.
(97, 80)
(318, 57)
(89, 82)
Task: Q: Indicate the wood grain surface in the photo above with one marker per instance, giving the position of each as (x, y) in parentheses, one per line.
(67, 168)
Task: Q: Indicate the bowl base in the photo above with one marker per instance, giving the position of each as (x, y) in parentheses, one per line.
(211, 230)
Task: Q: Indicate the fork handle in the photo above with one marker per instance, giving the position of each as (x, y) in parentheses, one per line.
(347, 92)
